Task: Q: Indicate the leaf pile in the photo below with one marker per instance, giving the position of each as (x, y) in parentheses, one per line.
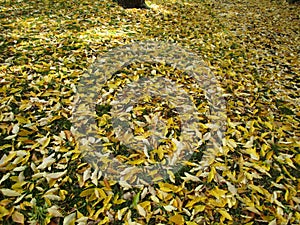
(251, 46)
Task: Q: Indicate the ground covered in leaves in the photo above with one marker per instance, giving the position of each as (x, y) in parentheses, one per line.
(252, 48)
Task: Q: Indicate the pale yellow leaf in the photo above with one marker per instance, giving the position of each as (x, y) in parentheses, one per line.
(47, 162)
(70, 219)
(56, 175)
(54, 211)
(18, 217)
(9, 192)
(190, 177)
(141, 210)
(4, 177)
(170, 208)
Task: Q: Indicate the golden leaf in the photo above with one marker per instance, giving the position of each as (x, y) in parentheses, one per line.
(177, 219)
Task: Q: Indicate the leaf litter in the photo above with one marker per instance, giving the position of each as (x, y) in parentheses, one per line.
(252, 47)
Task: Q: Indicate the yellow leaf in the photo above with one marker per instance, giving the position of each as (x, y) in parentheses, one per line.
(160, 152)
(5, 146)
(18, 217)
(297, 159)
(269, 155)
(253, 154)
(100, 193)
(154, 198)
(8, 158)
(169, 187)
(47, 162)
(290, 162)
(191, 223)
(273, 222)
(141, 210)
(125, 185)
(269, 125)
(229, 142)
(104, 221)
(95, 177)
(56, 175)
(121, 212)
(177, 219)
(172, 176)
(70, 219)
(9, 192)
(15, 129)
(107, 199)
(53, 211)
(190, 177)
(249, 143)
(170, 208)
(225, 214)
(137, 161)
(195, 200)
(22, 120)
(211, 174)
(297, 214)
(4, 177)
(44, 142)
(218, 193)
(87, 192)
(253, 209)
(199, 208)
(263, 149)
(10, 137)
(231, 188)
(259, 189)
(3, 212)
(288, 173)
